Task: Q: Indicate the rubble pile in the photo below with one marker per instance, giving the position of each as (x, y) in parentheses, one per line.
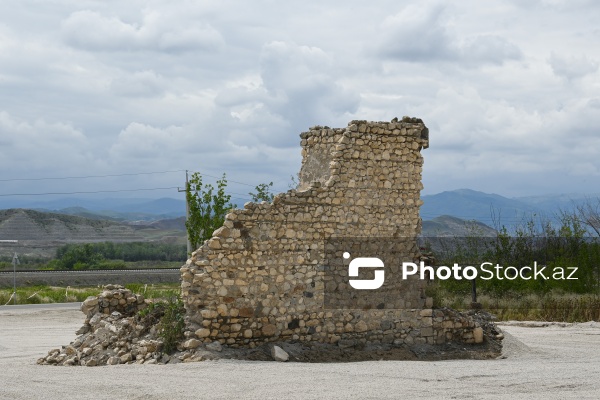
(114, 332)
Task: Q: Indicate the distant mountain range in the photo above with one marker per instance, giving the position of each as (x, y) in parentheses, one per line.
(137, 209)
(495, 210)
(42, 226)
(40, 233)
(466, 204)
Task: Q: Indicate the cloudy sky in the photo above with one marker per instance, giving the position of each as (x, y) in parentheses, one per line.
(510, 90)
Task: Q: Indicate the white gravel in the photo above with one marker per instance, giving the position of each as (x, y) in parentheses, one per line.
(551, 362)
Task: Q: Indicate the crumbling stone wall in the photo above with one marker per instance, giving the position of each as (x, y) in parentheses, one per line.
(263, 276)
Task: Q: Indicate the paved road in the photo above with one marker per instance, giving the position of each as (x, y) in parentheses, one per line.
(552, 362)
(41, 307)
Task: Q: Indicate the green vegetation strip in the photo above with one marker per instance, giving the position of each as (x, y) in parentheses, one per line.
(56, 294)
(104, 255)
(555, 306)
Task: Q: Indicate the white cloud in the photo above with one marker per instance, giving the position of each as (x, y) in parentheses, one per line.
(506, 149)
(40, 145)
(146, 143)
(89, 30)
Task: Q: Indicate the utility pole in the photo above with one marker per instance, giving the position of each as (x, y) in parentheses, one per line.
(15, 261)
(187, 212)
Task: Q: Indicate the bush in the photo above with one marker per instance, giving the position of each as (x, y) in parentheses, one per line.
(170, 317)
(172, 324)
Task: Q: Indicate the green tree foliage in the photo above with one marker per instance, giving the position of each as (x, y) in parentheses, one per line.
(263, 193)
(562, 246)
(109, 255)
(78, 256)
(207, 208)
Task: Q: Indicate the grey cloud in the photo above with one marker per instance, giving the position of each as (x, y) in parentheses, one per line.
(214, 146)
(416, 34)
(572, 67)
(42, 144)
(298, 87)
(143, 141)
(420, 34)
(90, 30)
(234, 96)
(489, 49)
(302, 84)
(139, 84)
(159, 89)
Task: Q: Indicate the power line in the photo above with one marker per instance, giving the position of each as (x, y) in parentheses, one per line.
(87, 192)
(116, 175)
(228, 180)
(86, 177)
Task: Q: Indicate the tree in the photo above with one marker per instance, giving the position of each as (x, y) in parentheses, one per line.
(589, 213)
(263, 193)
(207, 208)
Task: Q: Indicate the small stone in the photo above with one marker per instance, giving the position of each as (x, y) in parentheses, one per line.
(428, 312)
(203, 332)
(192, 343)
(113, 361)
(361, 326)
(269, 330)
(478, 335)
(279, 354)
(246, 312)
(214, 346)
(91, 301)
(214, 243)
(208, 313)
(222, 309)
(84, 329)
(91, 363)
(90, 306)
(223, 232)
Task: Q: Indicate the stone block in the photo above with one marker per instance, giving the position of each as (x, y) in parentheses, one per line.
(279, 354)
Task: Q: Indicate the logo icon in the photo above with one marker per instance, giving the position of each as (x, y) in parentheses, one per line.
(365, 262)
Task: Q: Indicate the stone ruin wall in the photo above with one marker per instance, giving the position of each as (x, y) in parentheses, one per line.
(261, 277)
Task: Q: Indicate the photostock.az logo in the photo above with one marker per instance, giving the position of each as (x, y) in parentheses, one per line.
(365, 262)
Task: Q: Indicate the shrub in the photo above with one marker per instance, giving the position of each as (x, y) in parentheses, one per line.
(172, 324)
(169, 315)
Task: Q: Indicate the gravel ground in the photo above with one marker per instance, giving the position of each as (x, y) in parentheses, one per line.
(550, 361)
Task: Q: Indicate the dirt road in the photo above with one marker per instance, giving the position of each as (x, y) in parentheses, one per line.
(554, 362)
